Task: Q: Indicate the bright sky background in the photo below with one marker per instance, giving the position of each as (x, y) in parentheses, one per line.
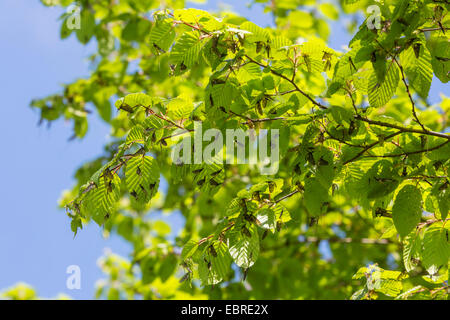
(36, 244)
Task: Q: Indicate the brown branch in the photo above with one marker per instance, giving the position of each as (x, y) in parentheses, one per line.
(347, 240)
(409, 153)
(164, 118)
(287, 196)
(432, 29)
(428, 222)
(314, 102)
(342, 140)
(409, 93)
(403, 129)
(370, 146)
(230, 225)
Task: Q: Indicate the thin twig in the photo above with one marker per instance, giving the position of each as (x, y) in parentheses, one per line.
(314, 102)
(403, 129)
(409, 94)
(370, 146)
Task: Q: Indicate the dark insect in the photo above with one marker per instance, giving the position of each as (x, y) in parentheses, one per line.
(404, 172)
(245, 274)
(108, 174)
(251, 218)
(259, 107)
(143, 189)
(216, 173)
(279, 225)
(208, 263)
(213, 182)
(127, 108)
(134, 194)
(281, 214)
(246, 232)
(248, 217)
(163, 142)
(334, 187)
(272, 186)
(416, 48)
(212, 251)
(380, 212)
(197, 171)
(201, 182)
(217, 81)
(109, 186)
(158, 48)
(351, 128)
(310, 158)
(259, 46)
(312, 221)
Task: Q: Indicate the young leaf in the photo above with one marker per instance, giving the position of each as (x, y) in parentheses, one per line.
(407, 209)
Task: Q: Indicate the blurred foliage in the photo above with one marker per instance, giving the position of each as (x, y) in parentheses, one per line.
(23, 291)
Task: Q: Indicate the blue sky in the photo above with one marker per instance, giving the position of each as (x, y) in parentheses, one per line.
(36, 244)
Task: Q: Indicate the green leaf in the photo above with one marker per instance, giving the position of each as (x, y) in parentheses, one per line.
(179, 108)
(162, 35)
(187, 49)
(329, 10)
(244, 249)
(418, 70)
(257, 33)
(100, 202)
(267, 218)
(142, 177)
(220, 259)
(316, 197)
(411, 250)
(189, 249)
(381, 92)
(440, 52)
(436, 248)
(87, 27)
(136, 135)
(407, 209)
(133, 100)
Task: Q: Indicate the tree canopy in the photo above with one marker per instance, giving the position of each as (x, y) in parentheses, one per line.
(358, 207)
